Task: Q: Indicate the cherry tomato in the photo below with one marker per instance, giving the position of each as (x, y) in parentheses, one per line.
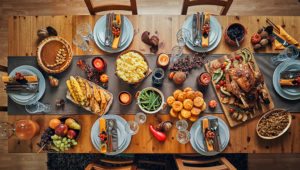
(231, 110)
(223, 66)
(232, 66)
(224, 85)
(232, 59)
(222, 82)
(218, 86)
(238, 57)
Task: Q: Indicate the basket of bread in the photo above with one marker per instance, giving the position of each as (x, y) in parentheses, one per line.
(89, 95)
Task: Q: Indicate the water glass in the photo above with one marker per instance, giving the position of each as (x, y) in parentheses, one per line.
(141, 117)
(85, 31)
(290, 52)
(176, 53)
(6, 130)
(158, 76)
(81, 43)
(38, 107)
(181, 124)
(183, 36)
(132, 127)
(183, 136)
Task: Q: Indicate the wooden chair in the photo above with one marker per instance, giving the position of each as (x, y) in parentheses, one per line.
(225, 3)
(194, 162)
(122, 164)
(93, 9)
(3, 69)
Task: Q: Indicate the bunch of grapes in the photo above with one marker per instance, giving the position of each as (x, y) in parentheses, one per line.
(46, 139)
(62, 143)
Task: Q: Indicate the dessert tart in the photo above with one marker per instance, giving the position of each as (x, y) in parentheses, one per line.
(54, 54)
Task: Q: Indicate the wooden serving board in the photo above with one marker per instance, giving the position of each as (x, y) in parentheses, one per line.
(233, 122)
(88, 108)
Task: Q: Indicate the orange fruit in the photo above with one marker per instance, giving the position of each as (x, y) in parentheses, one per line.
(54, 123)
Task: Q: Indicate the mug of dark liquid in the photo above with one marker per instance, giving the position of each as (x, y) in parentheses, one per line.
(158, 77)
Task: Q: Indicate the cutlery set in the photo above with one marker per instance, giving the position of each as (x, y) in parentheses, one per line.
(276, 32)
(114, 29)
(200, 37)
(22, 88)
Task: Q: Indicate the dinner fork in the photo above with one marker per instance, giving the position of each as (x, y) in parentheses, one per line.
(197, 41)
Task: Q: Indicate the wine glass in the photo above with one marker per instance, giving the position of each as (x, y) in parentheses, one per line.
(182, 35)
(183, 136)
(141, 117)
(132, 127)
(6, 130)
(38, 107)
(181, 124)
(85, 31)
(81, 43)
(23, 129)
(176, 53)
(290, 52)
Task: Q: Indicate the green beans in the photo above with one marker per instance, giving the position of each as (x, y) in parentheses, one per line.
(150, 100)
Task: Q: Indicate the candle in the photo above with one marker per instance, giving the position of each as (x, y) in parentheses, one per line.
(98, 63)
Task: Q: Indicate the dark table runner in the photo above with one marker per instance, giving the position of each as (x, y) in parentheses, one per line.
(115, 85)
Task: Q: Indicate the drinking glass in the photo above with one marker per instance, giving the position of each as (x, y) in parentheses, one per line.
(81, 43)
(6, 130)
(38, 107)
(85, 31)
(158, 76)
(182, 36)
(141, 117)
(132, 127)
(176, 53)
(181, 124)
(290, 52)
(183, 136)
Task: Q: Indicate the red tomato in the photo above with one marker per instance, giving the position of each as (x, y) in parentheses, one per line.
(238, 57)
(224, 85)
(223, 66)
(218, 86)
(231, 59)
(232, 66)
(222, 82)
(231, 110)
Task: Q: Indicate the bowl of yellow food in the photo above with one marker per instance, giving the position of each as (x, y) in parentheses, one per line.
(132, 67)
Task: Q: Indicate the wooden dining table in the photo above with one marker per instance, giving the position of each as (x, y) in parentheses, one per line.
(23, 41)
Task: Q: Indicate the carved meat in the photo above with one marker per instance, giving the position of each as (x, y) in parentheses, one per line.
(244, 76)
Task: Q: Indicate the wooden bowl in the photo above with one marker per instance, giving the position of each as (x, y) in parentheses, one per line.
(47, 51)
(124, 52)
(230, 41)
(282, 132)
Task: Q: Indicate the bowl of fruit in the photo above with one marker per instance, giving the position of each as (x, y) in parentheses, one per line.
(61, 135)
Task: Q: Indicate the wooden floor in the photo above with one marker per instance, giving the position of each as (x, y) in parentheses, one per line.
(147, 7)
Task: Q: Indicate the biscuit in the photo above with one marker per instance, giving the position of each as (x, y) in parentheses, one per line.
(195, 111)
(198, 102)
(182, 96)
(185, 113)
(198, 94)
(180, 117)
(188, 104)
(177, 106)
(190, 95)
(176, 93)
(170, 100)
(187, 89)
(193, 118)
(173, 113)
(203, 107)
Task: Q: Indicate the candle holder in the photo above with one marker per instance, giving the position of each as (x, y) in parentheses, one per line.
(127, 98)
(203, 80)
(99, 64)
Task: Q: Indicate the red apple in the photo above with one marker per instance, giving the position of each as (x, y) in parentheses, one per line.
(71, 134)
(61, 130)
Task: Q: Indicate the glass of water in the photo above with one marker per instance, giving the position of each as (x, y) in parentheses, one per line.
(141, 117)
(181, 124)
(182, 36)
(132, 127)
(81, 43)
(183, 136)
(84, 30)
(176, 53)
(290, 52)
(38, 107)
(6, 130)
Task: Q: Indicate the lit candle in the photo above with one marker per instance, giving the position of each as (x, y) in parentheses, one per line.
(98, 63)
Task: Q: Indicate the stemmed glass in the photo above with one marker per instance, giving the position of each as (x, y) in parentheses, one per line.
(132, 127)
(290, 52)
(38, 107)
(183, 136)
(181, 124)
(182, 35)
(81, 43)
(176, 53)
(85, 31)
(140, 117)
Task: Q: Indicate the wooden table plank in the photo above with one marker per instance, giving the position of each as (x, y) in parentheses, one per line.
(243, 139)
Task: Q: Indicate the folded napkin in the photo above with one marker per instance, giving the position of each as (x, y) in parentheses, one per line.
(114, 135)
(285, 36)
(117, 38)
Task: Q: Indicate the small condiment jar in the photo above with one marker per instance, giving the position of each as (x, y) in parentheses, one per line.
(99, 64)
(203, 80)
(124, 95)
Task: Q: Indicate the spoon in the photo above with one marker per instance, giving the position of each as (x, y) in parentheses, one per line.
(111, 125)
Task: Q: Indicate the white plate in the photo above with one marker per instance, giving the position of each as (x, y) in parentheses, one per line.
(129, 32)
(197, 137)
(42, 86)
(123, 137)
(292, 93)
(212, 44)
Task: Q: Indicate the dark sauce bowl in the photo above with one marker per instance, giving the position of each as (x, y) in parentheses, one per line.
(232, 30)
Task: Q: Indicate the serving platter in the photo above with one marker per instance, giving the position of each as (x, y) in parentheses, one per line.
(257, 112)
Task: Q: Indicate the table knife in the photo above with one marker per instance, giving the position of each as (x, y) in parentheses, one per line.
(194, 25)
(106, 43)
(202, 19)
(290, 74)
(280, 40)
(22, 88)
(217, 141)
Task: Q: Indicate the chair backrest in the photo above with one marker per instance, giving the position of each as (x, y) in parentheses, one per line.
(94, 9)
(93, 166)
(122, 164)
(224, 3)
(195, 162)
